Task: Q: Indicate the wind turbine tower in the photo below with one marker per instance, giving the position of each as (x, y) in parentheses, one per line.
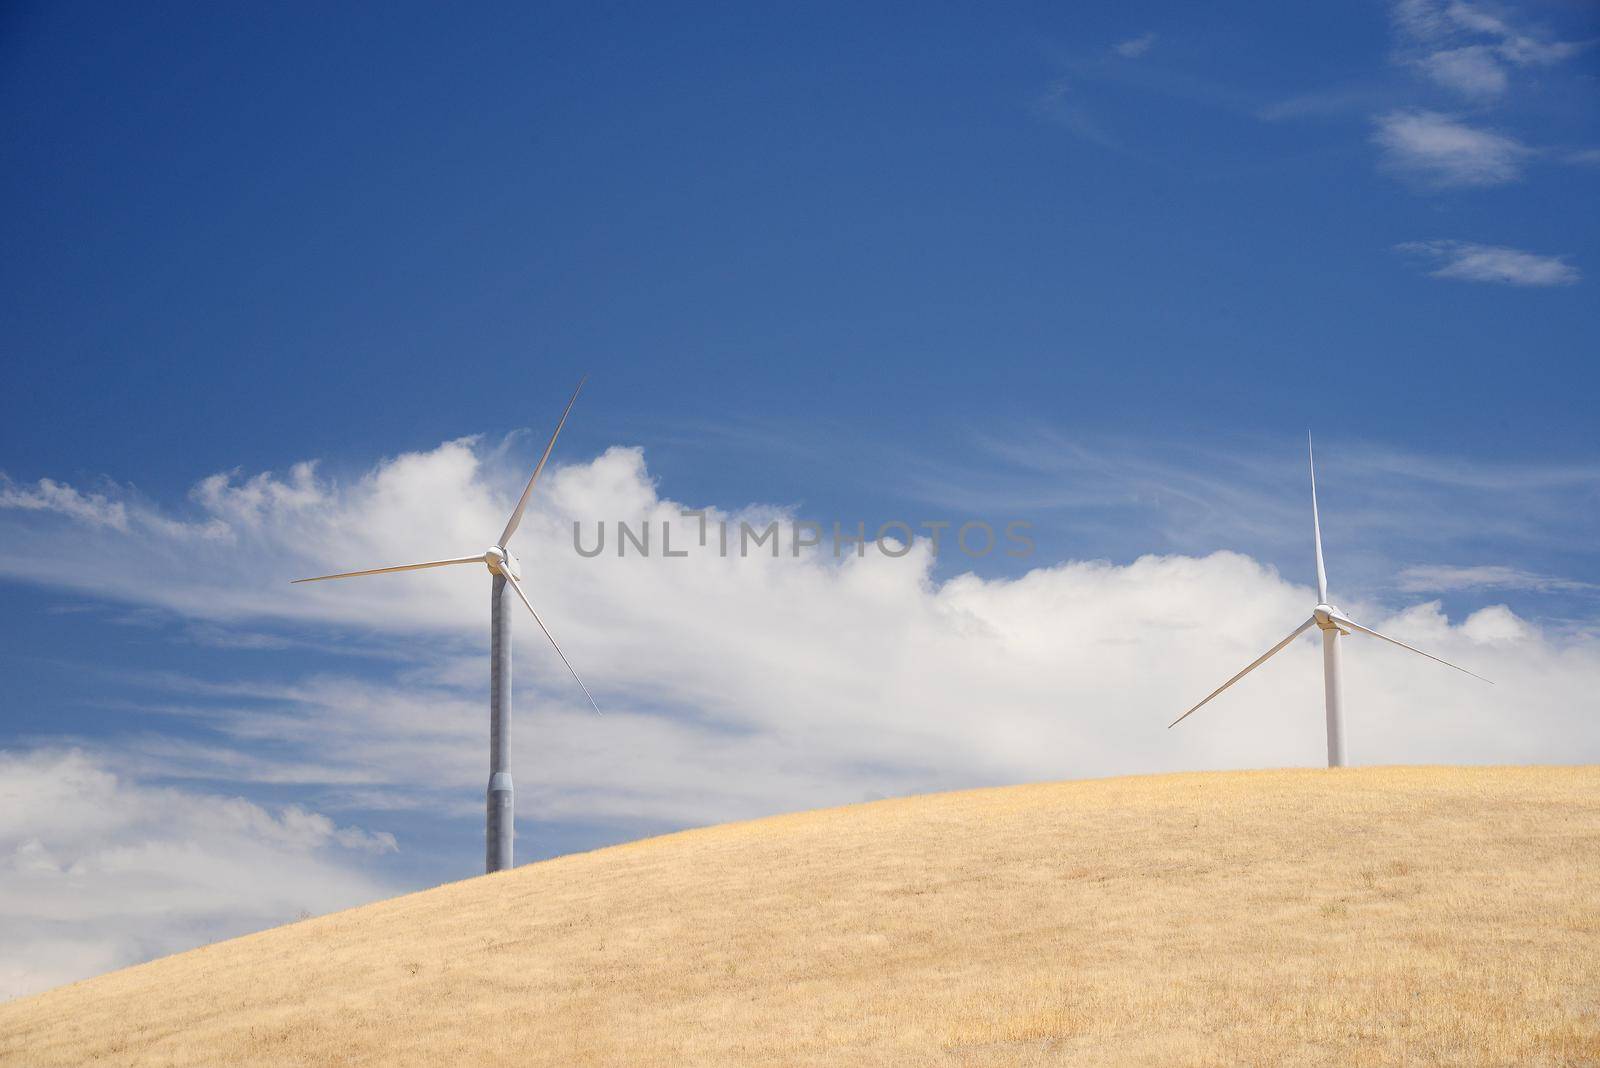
(506, 576)
(1334, 625)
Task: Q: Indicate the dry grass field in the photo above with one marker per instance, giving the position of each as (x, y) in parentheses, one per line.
(1371, 916)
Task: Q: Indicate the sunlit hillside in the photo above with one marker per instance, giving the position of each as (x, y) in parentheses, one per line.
(1373, 916)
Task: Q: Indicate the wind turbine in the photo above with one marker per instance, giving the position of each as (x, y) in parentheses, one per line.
(500, 826)
(1334, 624)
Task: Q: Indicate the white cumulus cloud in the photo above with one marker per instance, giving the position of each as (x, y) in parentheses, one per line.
(734, 686)
(97, 871)
(48, 495)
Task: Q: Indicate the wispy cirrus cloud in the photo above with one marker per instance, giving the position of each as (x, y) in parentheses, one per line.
(1062, 103)
(1435, 578)
(1253, 494)
(1472, 71)
(1470, 49)
(1135, 47)
(1440, 150)
(1469, 262)
(1324, 103)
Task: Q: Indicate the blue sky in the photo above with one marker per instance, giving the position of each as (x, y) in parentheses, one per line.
(1096, 269)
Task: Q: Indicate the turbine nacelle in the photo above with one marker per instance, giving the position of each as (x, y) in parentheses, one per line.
(1325, 616)
(501, 562)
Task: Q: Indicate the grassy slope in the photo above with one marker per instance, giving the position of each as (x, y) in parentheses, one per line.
(1353, 917)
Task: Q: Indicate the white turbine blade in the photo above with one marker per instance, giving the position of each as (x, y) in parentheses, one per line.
(402, 567)
(1316, 526)
(522, 504)
(1257, 662)
(1353, 625)
(514, 584)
